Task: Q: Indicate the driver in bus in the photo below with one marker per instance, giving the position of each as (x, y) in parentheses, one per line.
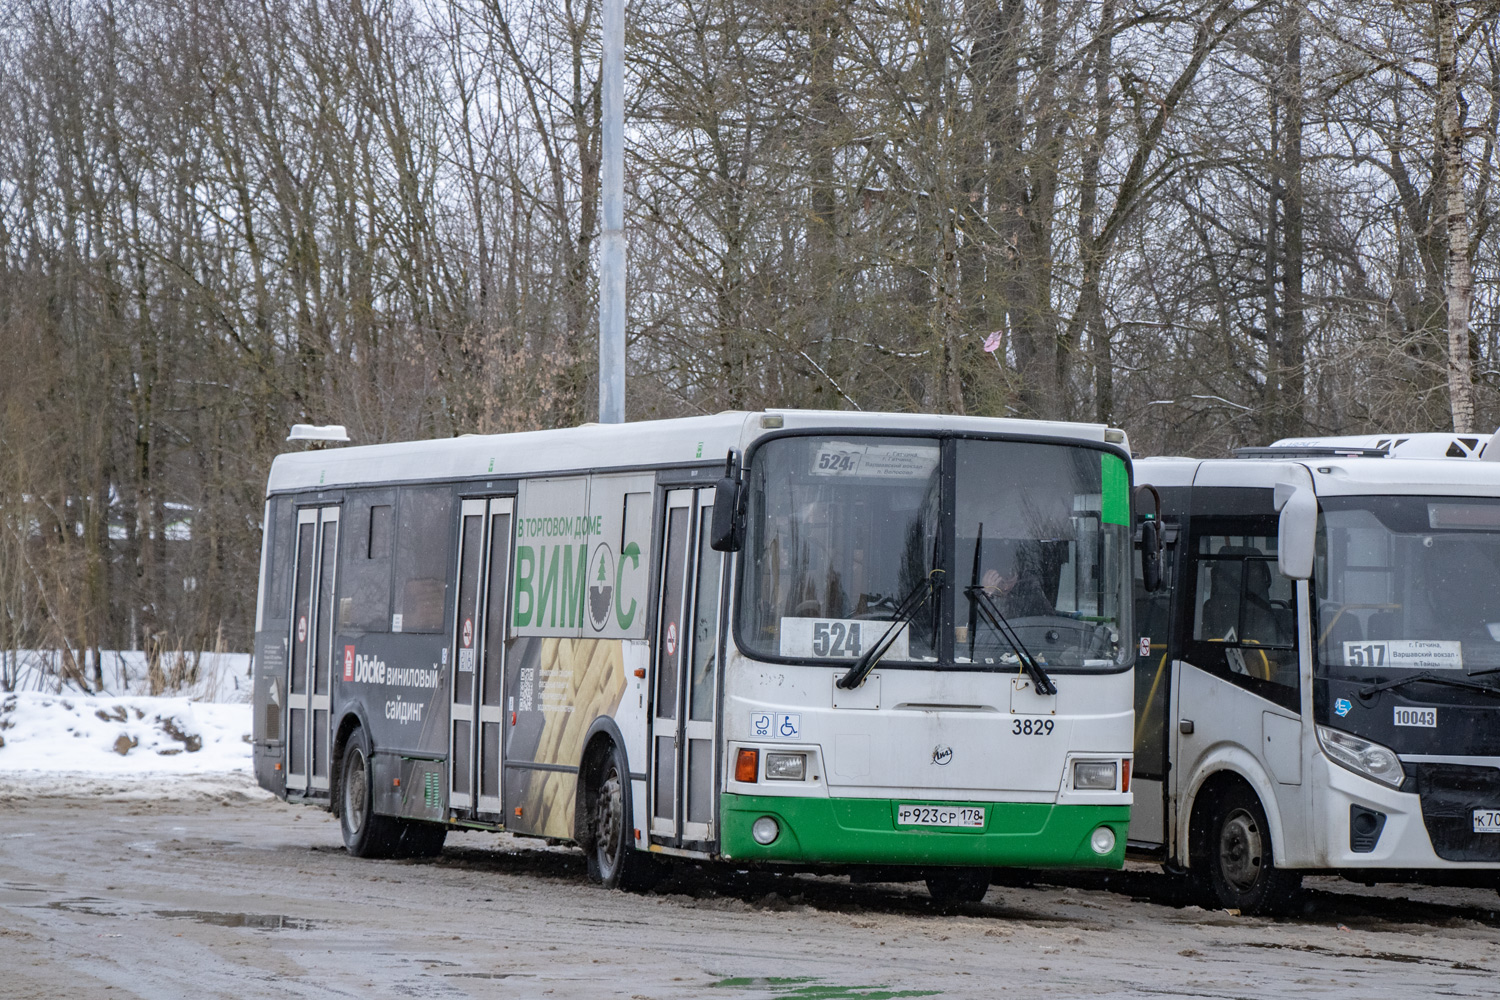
(1016, 590)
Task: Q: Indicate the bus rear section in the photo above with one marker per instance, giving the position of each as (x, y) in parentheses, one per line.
(1322, 687)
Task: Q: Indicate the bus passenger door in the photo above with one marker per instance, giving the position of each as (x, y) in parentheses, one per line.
(308, 701)
(498, 535)
(1153, 683)
(463, 656)
(476, 657)
(685, 694)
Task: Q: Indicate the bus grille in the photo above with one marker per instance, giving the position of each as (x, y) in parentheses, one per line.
(1450, 793)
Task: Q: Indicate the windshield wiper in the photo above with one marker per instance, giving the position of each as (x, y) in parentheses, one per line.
(905, 611)
(1391, 685)
(981, 599)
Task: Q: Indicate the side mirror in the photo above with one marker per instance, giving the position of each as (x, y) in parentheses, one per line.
(1151, 541)
(1297, 531)
(1151, 555)
(726, 534)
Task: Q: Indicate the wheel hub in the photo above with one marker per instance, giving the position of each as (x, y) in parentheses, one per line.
(608, 818)
(1240, 850)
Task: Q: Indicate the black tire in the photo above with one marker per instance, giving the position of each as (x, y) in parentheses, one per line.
(613, 860)
(952, 886)
(366, 835)
(1238, 865)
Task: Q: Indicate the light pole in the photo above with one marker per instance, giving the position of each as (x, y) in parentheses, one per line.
(612, 241)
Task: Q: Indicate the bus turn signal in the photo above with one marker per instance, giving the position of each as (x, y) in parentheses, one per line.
(747, 766)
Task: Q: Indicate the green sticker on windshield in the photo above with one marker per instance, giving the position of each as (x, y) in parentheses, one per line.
(1114, 502)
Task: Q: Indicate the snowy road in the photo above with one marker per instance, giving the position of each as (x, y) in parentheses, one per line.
(232, 896)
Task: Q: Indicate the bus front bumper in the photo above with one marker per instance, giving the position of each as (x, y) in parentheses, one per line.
(864, 831)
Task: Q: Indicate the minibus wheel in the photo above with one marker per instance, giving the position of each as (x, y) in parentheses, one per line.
(1239, 861)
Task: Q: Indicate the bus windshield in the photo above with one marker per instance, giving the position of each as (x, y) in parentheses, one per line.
(842, 530)
(1408, 584)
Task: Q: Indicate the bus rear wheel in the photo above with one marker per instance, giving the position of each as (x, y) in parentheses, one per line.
(1239, 866)
(612, 856)
(951, 886)
(367, 834)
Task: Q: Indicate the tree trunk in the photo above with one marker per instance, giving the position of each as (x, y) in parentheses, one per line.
(1460, 274)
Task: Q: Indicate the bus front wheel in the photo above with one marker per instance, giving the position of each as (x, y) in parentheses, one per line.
(1238, 864)
(951, 886)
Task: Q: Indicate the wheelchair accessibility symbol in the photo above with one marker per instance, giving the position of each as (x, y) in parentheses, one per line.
(788, 727)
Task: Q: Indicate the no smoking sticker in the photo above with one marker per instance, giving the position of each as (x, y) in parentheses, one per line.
(302, 629)
(468, 632)
(671, 638)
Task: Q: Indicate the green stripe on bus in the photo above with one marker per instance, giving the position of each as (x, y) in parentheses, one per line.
(864, 831)
(1114, 504)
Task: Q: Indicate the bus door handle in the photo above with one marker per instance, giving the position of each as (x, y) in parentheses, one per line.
(1185, 727)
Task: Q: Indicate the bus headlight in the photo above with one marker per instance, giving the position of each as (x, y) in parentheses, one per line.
(1094, 776)
(765, 830)
(1362, 756)
(786, 766)
(1102, 840)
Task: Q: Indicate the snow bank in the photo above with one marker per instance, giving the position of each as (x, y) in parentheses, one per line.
(121, 736)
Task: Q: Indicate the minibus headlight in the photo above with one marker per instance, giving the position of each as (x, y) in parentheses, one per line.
(1094, 775)
(786, 766)
(1362, 756)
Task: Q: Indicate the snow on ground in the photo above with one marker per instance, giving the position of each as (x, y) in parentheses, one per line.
(122, 735)
(188, 744)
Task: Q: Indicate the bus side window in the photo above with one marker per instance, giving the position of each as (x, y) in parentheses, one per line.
(1244, 614)
(281, 522)
(365, 564)
(423, 537)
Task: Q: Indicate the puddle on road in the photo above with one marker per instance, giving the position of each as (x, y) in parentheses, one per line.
(96, 907)
(1381, 956)
(258, 921)
(810, 988)
(488, 975)
(92, 905)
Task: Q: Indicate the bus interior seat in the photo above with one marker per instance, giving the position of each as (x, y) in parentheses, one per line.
(1264, 623)
(1384, 625)
(1220, 614)
(1345, 627)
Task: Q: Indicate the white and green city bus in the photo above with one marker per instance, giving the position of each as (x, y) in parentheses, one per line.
(792, 637)
(1318, 685)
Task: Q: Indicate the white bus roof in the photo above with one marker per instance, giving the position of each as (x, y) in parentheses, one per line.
(1425, 445)
(642, 444)
(1332, 476)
